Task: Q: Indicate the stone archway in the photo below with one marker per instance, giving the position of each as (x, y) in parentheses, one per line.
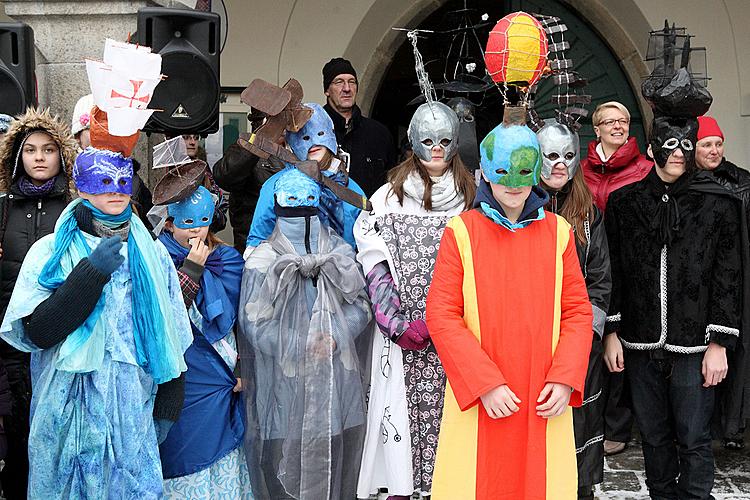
(620, 22)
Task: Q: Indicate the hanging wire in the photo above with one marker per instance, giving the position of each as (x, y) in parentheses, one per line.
(425, 85)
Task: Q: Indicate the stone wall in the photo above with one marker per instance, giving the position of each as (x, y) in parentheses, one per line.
(68, 32)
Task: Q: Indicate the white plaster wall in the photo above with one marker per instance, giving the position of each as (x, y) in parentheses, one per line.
(722, 27)
(277, 39)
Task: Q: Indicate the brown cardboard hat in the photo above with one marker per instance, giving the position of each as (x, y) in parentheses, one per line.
(179, 182)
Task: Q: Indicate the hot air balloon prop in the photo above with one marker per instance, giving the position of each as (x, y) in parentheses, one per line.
(516, 53)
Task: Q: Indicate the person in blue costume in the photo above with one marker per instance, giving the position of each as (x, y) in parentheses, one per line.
(315, 141)
(99, 306)
(304, 311)
(202, 456)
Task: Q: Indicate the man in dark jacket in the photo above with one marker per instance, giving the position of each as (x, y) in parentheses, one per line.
(242, 174)
(734, 405)
(675, 307)
(369, 144)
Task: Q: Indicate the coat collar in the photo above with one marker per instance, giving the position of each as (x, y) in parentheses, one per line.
(60, 188)
(339, 122)
(728, 170)
(532, 209)
(624, 156)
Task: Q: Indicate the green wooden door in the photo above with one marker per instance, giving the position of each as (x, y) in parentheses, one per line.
(594, 60)
(591, 56)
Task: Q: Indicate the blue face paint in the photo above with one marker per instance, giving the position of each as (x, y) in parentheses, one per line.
(510, 156)
(197, 210)
(99, 171)
(295, 189)
(318, 131)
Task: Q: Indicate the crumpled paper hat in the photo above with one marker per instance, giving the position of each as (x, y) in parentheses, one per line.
(171, 153)
(676, 86)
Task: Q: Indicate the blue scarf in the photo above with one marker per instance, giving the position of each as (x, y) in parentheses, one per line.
(157, 345)
(219, 294)
(533, 208)
(331, 209)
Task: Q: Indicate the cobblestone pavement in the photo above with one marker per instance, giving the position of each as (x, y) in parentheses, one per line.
(624, 477)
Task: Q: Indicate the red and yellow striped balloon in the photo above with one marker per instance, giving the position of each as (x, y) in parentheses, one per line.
(516, 50)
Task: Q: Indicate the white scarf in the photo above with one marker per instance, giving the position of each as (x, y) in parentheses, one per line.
(600, 152)
(445, 197)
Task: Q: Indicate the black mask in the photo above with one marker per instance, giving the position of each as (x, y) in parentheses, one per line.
(294, 211)
(669, 133)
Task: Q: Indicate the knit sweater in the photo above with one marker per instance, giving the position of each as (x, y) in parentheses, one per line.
(78, 296)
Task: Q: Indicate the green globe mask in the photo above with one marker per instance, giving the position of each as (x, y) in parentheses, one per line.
(510, 156)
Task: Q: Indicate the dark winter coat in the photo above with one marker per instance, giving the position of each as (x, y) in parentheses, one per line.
(588, 419)
(23, 221)
(5, 408)
(735, 390)
(594, 259)
(625, 166)
(680, 295)
(142, 198)
(370, 146)
(5, 404)
(735, 179)
(242, 174)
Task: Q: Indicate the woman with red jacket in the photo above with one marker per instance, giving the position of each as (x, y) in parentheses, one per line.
(613, 160)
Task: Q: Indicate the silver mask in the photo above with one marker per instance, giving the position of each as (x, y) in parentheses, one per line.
(463, 107)
(559, 144)
(434, 123)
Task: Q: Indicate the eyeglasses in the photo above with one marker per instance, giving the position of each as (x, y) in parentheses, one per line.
(339, 82)
(610, 123)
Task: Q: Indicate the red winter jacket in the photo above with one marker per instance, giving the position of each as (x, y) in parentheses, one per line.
(625, 166)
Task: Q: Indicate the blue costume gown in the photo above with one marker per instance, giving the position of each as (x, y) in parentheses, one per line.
(92, 434)
(306, 409)
(202, 456)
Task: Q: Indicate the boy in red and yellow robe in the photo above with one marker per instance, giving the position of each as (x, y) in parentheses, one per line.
(511, 321)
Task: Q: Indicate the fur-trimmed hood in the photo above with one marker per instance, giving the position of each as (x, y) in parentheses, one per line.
(32, 120)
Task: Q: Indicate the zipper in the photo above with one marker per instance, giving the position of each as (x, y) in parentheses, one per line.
(38, 219)
(603, 188)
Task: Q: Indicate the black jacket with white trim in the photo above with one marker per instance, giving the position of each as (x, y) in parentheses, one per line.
(680, 295)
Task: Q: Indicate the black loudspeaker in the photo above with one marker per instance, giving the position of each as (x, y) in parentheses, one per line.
(17, 64)
(189, 43)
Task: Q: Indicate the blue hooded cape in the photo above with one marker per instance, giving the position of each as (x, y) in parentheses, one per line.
(333, 212)
(212, 421)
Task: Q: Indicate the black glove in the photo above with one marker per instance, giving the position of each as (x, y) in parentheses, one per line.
(106, 257)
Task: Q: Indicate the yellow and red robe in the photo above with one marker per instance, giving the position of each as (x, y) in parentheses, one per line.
(512, 310)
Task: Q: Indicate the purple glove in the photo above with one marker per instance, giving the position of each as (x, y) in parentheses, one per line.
(414, 337)
(421, 328)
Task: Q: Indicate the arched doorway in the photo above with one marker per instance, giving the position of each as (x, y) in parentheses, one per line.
(592, 57)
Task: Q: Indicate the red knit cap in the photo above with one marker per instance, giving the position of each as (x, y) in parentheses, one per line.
(707, 127)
